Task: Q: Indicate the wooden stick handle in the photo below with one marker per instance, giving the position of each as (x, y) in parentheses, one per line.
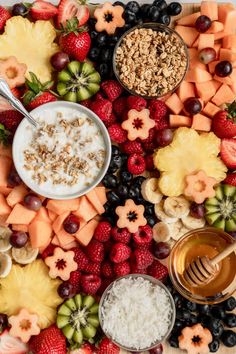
(223, 254)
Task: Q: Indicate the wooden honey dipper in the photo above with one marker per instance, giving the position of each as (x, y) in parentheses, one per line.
(203, 269)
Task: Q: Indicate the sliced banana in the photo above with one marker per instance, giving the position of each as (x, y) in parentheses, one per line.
(177, 230)
(5, 234)
(150, 190)
(193, 223)
(176, 207)
(25, 255)
(161, 215)
(5, 265)
(161, 232)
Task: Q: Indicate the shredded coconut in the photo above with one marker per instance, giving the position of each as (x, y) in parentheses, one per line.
(135, 313)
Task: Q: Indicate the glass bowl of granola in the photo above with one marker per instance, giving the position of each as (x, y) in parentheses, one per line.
(150, 60)
(67, 156)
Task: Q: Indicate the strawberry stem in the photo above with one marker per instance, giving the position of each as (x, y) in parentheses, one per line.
(231, 109)
(36, 87)
(72, 26)
(4, 134)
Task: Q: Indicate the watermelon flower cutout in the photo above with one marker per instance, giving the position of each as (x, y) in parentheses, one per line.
(61, 264)
(199, 187)
(24, 325)
(138, 124)
(130, 216)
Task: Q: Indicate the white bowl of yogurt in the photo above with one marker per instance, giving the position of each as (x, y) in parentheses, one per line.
(67, 156)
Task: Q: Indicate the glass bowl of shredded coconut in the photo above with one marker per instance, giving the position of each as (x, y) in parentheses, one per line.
(137, 312)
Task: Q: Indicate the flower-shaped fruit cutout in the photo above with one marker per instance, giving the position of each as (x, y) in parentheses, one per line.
(199, 187)
(61, 264)
(138, 124)
(195, 339)
(24, 325)
(13, 72)
(109, 18)
(130, 216)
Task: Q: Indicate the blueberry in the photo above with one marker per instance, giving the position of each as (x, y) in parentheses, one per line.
(101, 39)
(122, 191)
(129, 17)
(151, 220)
(191, 306)
(173, 340)
(106, 55)
(149, 208)
(91, 22)
(109, 210)
(174, 8)
(111, 219)
(164, 18)
(93, 35)
(113, 40)
(112, 197)
(183, 314)
(134, 192)
(126, 176)
(140, 200)
(229, 338)
(115, 164)
(214, 345)
(138, 180)
(124, 159)
(115, 150)
(104, 70)
(178, 300)
(144, 10)
(230, 320)
(133, 6)
(216, 327)
(229, 304)
(218, 312)
(126, 27)
(94, 53)
(178, 326)
(110, 181)
(192, 320)
(203, 309)
(162, 5)
(118, 3)
(153, 13)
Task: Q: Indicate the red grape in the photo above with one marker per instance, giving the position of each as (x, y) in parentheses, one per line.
(71, 224)
(202, 24)
(157, 350)
(59, 60)
(223, 68)
(161, 250)
(32, 202)
(164, 137)
(197, 210)
(18, 239)
(207, 55)
(192, 105)
(65, 290)
(13, 179)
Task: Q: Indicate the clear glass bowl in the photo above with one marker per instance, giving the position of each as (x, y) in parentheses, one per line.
(155, 282)
(159, 28)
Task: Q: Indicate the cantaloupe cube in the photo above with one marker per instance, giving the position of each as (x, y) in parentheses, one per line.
(227, 15)
(196, 42)
(205, 90)
(4, 207)
(189, 34)
(205, 41)
(42, 215)
(5, 164)
(188, 20)
(223, 95)
(17, 195)
(216, 27)
(201, 123)
(210, 9)
(185, 90)
(212, 65)
(227, 54)
(229, 42)
(86, 210)
(233, 87)
(70, 245)
(101, 194)
(5, 190)
(217, 47)
(217, 84)
(194, 61)
(52, 216)
(64, 238)
(40, 233)
(20, 227)
(174, 104)
(224, 80)
(210, 109)
(198, 75)
(55, 241)
(219, 35)
(179, 121)
(5, 151)
(57, 224)
(85, 235)
(21, 215)
(92, 197)
(3, 219)
(60, 206)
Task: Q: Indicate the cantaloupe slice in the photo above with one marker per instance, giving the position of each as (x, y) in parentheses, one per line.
(5, 151)
(189, 34)
(179, 121)
(223, 95)
(92, 197)
(55, 241)
(217, 84)
(57, 224)
(227, 15)
(40, 233)
(85, 235)
(224, 80)
(21, 215)
(216, 27)
(229, 42)
(60, 206)
(196, 42)
(3, 219)
(86, 210)
(5, 164)
(217, 47)
(210, 9)
(210, 109)
(101, 194)
(227, 54)
(20, 227)
(174, 103)
(52, 216)
(17, 195)
(198, 75)
(201, 123)
(42, 215)
(194, 59)
(205, 41)
(64, 238)
(4, 207)
(206, 90)
(5, 190)
(188, 20)
(212, 65)
(185, 90)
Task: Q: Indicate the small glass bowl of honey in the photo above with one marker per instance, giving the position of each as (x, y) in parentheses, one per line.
(209, 242)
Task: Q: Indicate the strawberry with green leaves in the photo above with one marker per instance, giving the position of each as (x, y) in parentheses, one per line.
(224, 122)
(4, 135)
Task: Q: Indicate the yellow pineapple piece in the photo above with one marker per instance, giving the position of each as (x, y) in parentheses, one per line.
(188, 153)
(30, 287)
(31, 43)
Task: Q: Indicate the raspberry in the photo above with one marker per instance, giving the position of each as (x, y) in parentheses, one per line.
(120, 235)
(119, 252)
(136, 164)
(136, 270)
(112, 89)
(107, 246)
(86, 103)
(159, 112)
(131, 147)
(158, 270)
(90, 283)
(135, 102)
(107, 270)
(48, 251)
(75, 280)
(105, 283)
(143, 236)
(117, 133)
(103, 108)
(142, 258)
(121, 269)
(80, 258)
(95, 251)
(102, 232)
(119, 106)
(93, 268)
(149, 162)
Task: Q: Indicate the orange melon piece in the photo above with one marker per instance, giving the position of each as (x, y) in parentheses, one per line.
(233, 87)
(92, 197)
(205, 40)
(194, 60)
(55, 241)
(189, 34)
(216, 27)
(85, 235)
(224, 80)
(223, 95)
(196, 42)
(70, 245)
(227, 15)
(20, 227)
(174, 104)
(185, 90)
(4, 207)
(217, 47)
(40, 233)
(101, 194)
(210, 109)
(212, 65)
(210, 9)
(198, 75)
(179, 121)
(60, 206)
(58, 222)
(5, 151)
(219, 35)
(5, 164)
(188, 20)
(64, 238)
(205, 90)
(201, 122)
(52, 216)
(21, 215)
(17, 195)
(229, 42)
(3, 219)
(86, 210)
(227, 54)
(5, 190)
(217, 84)
(42, 215)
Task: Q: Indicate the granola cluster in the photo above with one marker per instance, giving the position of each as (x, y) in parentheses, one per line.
(150, 62)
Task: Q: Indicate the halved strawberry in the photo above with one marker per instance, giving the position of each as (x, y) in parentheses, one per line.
(42, 10)
(68, 9)
(228, 152)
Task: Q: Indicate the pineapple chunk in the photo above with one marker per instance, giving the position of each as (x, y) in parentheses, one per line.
(31, 43)
(30, 287)
(188, 153)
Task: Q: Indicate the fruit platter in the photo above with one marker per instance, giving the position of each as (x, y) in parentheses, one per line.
(117, 177)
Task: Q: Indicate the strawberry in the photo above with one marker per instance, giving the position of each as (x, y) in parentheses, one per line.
(121, 269)
(135, 102)
(142, 258)
(131, 147)
(103, 109)
(74, 280)
(107, 347)
(43, 98)
(136, 164)
(10, 119)
(230, 179)
(93, 268)
(4, 16)
(107, 270)
(117, 133)
(143, 236)
(67, 9)
(49, 340)
(43, 10)
(80, 258)
(112, 89)
(75, 41)
(224, 122)
(228, 152)
(157, 270)
(120, 235)
(102, 232)
(119, 252)
(90, 283)
(86, 348)
(119, 105)
(48, 251)
(159, 112)
(16, 92)
(95, 251)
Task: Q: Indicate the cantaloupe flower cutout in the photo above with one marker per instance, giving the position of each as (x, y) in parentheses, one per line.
(61, 264)
(24, 325)
(138, 124)
(130, 216)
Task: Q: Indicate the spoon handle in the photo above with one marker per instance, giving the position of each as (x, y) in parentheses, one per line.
(14, 102)
(229, 249)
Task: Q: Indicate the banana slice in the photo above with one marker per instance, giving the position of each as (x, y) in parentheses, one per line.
(161, 215)
(177, 230)
(25, 255)
(150, 190)
(176, 207)
(5, 234)
(193, 223)
(5, 265)
(161, 232)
